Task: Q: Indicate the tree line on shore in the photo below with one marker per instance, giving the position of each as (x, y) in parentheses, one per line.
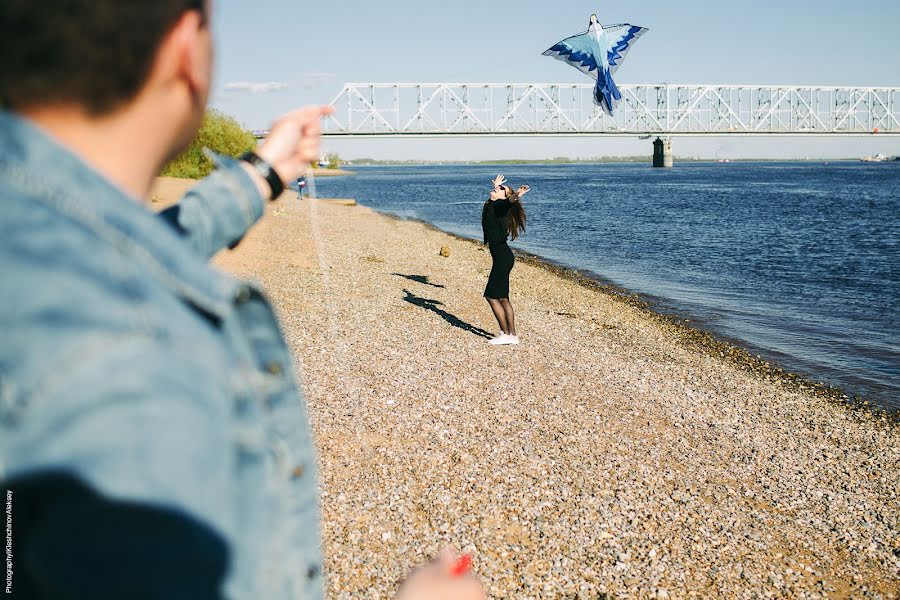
(224, 135)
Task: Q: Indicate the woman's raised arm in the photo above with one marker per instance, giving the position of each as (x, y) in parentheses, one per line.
(524, 189)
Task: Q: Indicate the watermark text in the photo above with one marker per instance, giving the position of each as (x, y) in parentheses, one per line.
(9, 552)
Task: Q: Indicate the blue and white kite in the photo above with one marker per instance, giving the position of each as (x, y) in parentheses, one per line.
(599, 51)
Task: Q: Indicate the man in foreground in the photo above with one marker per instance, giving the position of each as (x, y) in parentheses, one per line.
(152, 432)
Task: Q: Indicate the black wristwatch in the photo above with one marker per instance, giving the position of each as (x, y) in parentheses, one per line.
(266, 171)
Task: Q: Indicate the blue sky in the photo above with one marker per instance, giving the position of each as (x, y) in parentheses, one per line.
(275, 55)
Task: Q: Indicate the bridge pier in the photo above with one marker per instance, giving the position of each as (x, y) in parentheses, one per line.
(662, 153)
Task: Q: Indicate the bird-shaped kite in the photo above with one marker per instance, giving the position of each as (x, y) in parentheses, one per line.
(599, 51)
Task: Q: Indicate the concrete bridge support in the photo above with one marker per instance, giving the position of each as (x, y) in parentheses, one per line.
(662, 153)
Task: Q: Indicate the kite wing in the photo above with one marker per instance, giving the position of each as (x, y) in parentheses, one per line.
(581, 51)
(619, 39)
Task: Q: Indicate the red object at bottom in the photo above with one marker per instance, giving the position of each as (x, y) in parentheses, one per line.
(463, 563)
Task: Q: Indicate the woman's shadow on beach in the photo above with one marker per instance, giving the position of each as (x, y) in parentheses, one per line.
(418, 279)
(433, 305)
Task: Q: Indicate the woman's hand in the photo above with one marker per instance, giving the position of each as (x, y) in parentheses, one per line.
(522, 190)
(499, 180)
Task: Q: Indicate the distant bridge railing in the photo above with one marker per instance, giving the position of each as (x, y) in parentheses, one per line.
(489, 109)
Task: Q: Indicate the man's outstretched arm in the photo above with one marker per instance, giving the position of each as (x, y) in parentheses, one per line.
(221, 209)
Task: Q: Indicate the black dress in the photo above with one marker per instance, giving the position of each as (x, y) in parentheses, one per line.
(494, 222)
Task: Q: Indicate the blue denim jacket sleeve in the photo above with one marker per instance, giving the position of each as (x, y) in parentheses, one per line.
(219, 210)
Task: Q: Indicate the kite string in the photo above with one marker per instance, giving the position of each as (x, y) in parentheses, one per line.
(311, 184)
(320, 255)
(336, 342)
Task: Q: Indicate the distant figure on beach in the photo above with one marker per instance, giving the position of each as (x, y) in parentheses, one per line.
(154, 442)
(301, 187)
(502, 217)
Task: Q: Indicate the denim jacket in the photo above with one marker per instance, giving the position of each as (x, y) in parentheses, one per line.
(137, 370)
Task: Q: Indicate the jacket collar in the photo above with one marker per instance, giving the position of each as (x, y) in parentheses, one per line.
(53, 175)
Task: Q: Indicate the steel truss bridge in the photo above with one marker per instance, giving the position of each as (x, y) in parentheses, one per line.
(503, 109)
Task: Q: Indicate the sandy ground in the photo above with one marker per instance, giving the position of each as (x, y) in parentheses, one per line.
(604, 456)
(323, 172)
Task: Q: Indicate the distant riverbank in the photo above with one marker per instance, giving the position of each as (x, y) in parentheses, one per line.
(323, 172)
(579, 161)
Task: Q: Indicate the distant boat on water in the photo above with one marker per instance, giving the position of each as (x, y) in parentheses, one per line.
(879, 158)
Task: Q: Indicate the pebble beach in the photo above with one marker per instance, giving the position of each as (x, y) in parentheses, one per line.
(611, 454)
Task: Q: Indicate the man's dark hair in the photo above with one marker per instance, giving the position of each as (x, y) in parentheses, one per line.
(96, 53)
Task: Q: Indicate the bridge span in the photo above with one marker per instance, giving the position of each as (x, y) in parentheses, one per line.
(654, 110)
(487, 109)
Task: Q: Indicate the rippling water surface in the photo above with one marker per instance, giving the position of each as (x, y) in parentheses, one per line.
(799, 261)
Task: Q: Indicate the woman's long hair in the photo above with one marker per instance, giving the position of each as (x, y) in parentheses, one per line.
(517, 216)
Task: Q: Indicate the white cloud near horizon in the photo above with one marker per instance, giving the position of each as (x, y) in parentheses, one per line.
(311, 80)
(256, 87)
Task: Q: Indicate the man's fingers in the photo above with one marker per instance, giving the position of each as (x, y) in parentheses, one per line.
(294, 139)
(306, 120)
(437, 581)
(308, 114)
(308, 152)
(308, 144)
(444, 560)
(311, 128)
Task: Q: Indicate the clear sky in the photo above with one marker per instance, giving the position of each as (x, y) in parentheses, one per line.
(275, 55)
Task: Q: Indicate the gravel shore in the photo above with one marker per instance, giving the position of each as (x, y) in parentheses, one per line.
(603, 457)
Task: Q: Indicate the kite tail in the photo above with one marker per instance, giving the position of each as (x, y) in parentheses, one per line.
(606, 93)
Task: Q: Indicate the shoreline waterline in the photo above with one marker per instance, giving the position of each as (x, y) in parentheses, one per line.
(689, 330)
(790, 261)
(737, 352)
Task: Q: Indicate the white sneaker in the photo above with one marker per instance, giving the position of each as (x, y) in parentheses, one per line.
(504, 340)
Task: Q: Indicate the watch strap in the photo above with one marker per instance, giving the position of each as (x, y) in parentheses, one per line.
(266, 171)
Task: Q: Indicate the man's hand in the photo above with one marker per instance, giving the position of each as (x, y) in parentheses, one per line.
(436, 581)
(293, 142)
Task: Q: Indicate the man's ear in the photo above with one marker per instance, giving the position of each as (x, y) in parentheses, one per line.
(186, 55)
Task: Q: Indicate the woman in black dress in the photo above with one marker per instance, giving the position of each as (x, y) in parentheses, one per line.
(502, 217)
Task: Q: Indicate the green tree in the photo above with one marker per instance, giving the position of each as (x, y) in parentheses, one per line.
(333, 160)
(220, 133)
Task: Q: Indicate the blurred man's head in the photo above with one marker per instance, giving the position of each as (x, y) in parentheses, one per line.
(104, 56)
